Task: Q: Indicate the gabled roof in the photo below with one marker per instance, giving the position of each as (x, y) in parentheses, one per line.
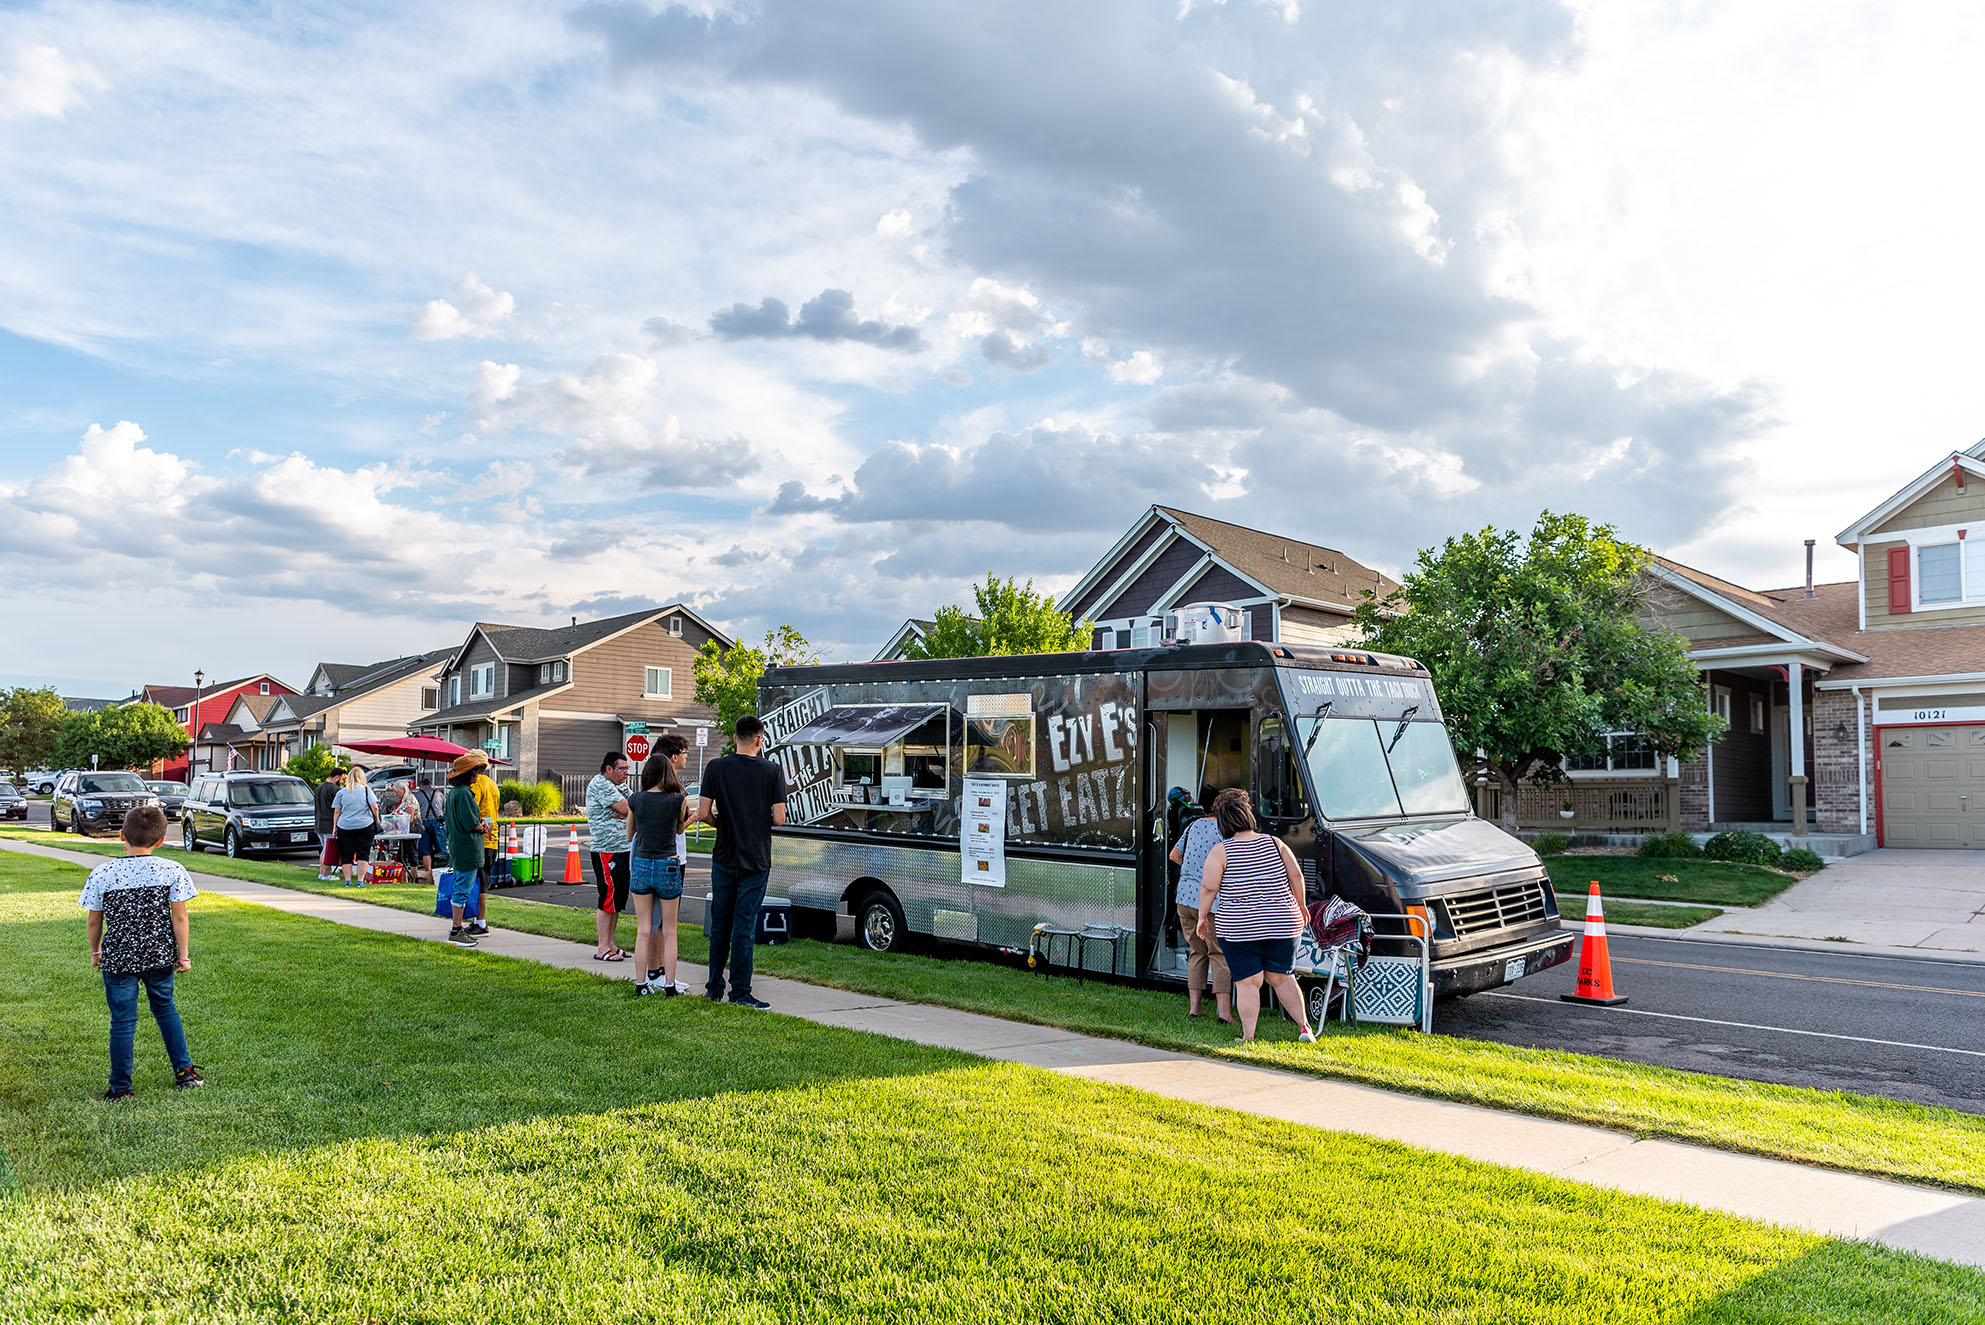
(257, 706)
(1282, 567)
(915, 628)
(1767, 615)
(342, 674)
(78, 705)
(175, 696)
(530, 644)
(1971, 462)
(360, 680)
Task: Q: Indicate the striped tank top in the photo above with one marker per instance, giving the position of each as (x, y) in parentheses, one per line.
(1254, 901)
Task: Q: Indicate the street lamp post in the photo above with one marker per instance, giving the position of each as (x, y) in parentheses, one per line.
(199, 679)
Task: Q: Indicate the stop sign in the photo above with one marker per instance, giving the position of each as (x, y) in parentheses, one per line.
(637, 747)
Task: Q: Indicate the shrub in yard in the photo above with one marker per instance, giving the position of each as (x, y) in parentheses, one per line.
(534, 800)
(1743, 846)
(1669, 846)
(1550, 844)
(510, 789)
(1802, 860)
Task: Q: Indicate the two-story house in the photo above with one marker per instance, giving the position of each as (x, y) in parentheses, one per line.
(346, 702)
(553, 702)
(1859, 704)
(195, 706)
(1287, 589)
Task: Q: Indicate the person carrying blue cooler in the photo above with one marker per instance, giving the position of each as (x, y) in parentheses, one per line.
(657, 814)
(463, 821)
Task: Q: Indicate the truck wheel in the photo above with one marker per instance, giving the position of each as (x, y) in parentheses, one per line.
(234, 848)
(186, 838)
(879, 924)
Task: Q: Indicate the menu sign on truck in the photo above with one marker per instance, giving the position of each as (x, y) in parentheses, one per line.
(982, 832)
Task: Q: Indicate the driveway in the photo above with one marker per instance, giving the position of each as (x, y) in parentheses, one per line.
(1932, 900)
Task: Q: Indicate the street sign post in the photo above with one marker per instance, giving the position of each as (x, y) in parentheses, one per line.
(637, 747)
(702, 737)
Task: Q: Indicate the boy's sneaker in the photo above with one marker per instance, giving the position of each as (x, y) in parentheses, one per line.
(461, 938)
(118, 1095)
(748, 1001)
(479, 929)
(642, 989)
(188, 1078)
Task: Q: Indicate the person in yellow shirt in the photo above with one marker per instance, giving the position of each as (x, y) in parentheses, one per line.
(484, 789)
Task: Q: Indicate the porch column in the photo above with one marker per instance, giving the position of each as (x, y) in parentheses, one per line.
(1795, 676)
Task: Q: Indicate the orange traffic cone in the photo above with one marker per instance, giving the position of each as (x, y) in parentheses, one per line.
(1595, 968)
(510, 847)
(572, 856)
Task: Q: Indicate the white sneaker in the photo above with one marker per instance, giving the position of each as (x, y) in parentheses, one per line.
(1308, 1036)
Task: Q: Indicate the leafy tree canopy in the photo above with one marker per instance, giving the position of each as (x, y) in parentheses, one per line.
(727, 679)
(128, 736)
(1011, 618)
(31, 721)
(1538, 649)
(315, 764)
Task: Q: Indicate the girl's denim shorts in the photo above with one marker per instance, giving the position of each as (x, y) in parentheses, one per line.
(656, 876)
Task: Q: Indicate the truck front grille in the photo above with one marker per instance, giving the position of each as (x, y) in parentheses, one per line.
(1496, 908)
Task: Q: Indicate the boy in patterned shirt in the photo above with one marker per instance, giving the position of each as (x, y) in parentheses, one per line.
(139, 934)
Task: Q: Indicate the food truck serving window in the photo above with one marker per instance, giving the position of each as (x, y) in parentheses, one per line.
(999, 736)
(872, 743)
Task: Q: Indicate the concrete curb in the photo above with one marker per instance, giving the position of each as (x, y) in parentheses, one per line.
(1942, 1224)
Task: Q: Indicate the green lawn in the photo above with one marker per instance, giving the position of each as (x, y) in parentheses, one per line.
(1651, 915)
(400, 1131)
(1716, 882)
(1914, 1142)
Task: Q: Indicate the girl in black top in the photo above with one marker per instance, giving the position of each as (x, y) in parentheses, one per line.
(655, 815)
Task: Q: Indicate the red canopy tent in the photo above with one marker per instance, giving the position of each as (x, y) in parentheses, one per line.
(411, 747)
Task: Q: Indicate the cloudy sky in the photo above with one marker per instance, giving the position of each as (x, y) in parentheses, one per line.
(326, 330)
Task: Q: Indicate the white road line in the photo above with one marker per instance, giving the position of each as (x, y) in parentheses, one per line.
(1745, 1025)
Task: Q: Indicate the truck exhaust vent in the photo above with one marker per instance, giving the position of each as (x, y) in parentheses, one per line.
(1496, 908)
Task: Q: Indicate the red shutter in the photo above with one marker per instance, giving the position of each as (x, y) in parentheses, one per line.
(1898, 579)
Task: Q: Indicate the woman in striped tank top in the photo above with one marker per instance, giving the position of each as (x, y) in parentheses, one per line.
(1251, 900)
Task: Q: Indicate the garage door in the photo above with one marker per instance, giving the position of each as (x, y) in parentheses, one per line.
(1933, 786)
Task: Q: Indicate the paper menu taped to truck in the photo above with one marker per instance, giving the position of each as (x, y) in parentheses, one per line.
(982, 832)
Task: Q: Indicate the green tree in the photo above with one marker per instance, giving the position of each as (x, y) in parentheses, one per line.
(727, 679)
(31, 721)
(1011, 618)
(1538, 649)
(128, 736)
(315, 764)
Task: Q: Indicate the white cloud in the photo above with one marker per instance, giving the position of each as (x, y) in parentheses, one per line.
(41, 80)
(476, 310)
(1140, 369)
(495, 385)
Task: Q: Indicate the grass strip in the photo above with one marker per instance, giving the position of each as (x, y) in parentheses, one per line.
(1657, 917)
(1839, 1129)
(1716, 882)
(402, 1131)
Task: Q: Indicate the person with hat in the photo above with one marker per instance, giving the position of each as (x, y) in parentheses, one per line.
(463, 820)
(487, 797)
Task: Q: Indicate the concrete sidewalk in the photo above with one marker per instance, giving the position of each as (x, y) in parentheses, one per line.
(1925, 903)
(1942, 1224)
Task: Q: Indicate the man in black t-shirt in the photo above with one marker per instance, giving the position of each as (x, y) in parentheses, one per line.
(744, 796)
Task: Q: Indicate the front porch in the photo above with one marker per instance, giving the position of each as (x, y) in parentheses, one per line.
(1636, 806)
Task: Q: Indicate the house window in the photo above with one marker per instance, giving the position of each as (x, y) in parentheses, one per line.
(1719, 704)
(1757, 714)
(655, 683)
(430, 696)
(1626, 752)
(558, 671)
(180, 714)
(544, 673)
(482, 681)
(454, 691)
(1950, 573)
(675, 626)
(265, 687)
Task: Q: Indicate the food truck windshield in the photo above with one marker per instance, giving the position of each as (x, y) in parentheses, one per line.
(1374, 745)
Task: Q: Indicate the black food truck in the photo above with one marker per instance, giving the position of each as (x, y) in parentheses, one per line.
(976, 799)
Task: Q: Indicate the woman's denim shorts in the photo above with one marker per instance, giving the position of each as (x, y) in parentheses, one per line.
(656, 876)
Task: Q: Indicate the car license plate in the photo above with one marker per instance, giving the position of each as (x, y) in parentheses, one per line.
(305, 837)
(1513, 970)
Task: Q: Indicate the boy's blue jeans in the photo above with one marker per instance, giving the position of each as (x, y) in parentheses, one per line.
(121, 992)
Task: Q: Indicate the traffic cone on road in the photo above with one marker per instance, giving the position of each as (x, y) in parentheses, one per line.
(1595, 968)
(572, 856)
(510, 847)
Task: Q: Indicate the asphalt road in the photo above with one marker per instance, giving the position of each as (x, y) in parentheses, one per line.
(1905, 1028)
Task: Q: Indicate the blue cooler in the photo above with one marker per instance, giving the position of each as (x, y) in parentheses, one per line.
(775, 921)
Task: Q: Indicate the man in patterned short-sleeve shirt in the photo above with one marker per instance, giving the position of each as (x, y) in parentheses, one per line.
(139, 934)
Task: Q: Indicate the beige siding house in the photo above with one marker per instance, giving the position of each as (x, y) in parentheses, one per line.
(551, 703)
(345, 702)
(1855, 710)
